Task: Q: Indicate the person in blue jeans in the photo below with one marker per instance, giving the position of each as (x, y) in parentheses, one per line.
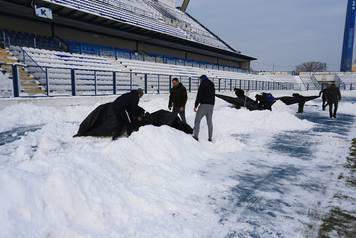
(204, 106)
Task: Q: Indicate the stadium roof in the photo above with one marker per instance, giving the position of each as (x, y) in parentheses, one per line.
(148, 19)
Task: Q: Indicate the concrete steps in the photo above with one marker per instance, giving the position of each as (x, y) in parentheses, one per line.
(28, 84)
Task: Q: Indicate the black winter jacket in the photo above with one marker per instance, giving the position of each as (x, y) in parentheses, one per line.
(333, 94)
(178, 96)
(206, 93)
(127, 102)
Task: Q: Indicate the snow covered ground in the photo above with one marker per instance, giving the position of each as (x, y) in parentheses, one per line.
(267, 174)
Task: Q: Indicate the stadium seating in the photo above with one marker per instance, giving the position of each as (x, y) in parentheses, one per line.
(309, 81)
(96, 72)
(25, 39)
(87, 68)
(347, 78)
(5, 85)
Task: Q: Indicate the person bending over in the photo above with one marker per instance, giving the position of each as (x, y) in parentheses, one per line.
(126, 108)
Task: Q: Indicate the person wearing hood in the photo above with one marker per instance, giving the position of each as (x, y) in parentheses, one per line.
(178, 98)
(125, 109)
(204, 106)
(114, 119)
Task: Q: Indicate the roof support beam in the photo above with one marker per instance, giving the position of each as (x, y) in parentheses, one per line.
(184, 6)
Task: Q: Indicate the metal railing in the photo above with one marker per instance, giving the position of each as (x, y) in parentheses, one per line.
(58, 81)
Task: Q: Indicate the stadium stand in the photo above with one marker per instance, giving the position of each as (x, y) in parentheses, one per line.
(149, 14)
(112, 46)
(309, 81)
(347, 78)
(93, 73)
(30, 40)
(5, 85)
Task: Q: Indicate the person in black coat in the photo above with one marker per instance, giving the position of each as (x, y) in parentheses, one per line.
(333, 97)
(265, 101)
(114, 119)
(178, 98)
(125, 109)
(204, 106)
(323, 94)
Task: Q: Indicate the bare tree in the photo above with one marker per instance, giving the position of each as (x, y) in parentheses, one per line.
(312, 66)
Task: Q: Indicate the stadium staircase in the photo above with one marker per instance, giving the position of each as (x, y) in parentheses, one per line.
(28, 84)
(317, 85)
(309, 81)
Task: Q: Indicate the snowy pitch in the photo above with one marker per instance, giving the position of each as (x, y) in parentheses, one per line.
(267, 174)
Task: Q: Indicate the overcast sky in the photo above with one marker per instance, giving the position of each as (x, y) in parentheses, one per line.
(280, 32)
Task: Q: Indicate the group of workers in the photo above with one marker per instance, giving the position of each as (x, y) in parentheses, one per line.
(124, 114)
(203, 106)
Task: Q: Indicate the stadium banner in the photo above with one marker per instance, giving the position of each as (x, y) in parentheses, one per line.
(43, 12)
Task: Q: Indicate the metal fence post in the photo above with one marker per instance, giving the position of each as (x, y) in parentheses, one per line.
(240, 83)
(248, 85)
(230, 85)
(114, 90)
(15, 80)
(130, 80)
(190, 84)
(47, 81)
(350, 87)
(145, 83)
(170, 83)
(225, 84)
(72, 77)
(256, 85)
(219, 87)
(95, 84)
(158, 82)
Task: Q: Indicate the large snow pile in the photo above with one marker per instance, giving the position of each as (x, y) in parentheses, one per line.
(157, 183)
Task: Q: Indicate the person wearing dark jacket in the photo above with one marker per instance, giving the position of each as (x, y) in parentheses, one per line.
(125, 109)
(333, 97)
(301, 102)
(265, 101)
(204, 106)
(178, 98)
(323, 95)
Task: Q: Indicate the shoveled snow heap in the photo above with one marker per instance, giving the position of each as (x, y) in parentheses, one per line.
(157, 183)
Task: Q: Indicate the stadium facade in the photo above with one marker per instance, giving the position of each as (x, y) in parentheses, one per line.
(140, 29)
